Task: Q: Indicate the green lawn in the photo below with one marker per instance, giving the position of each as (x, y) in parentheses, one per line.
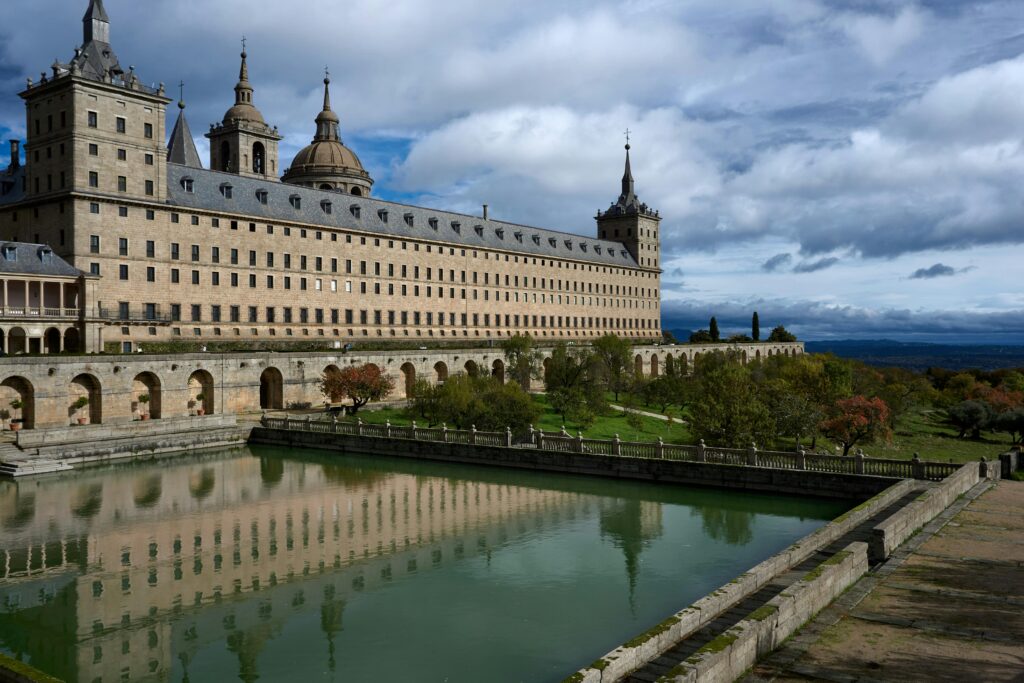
(921, 432)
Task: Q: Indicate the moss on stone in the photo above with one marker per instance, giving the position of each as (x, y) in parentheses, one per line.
(820, 569)
(652, 632)
(600, 664)
(575, 678)
(763, 612)
(25, 670)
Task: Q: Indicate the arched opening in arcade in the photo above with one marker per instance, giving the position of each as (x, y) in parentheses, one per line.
(86, 400)
(331, 373)
(72, 340)
(498, 370)
(146, 398)
(17, 397)
(409, 378)
(51, 340)
(200, 393)
(17, 341)
(670, 365)
(259, 159)
(271, 389)
(654, 365)
(441, 371)
(472, 369)
(638, 365)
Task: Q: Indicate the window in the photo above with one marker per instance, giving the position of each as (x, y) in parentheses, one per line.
(94, 179)
(195, 277)
(122, 155)
(175, 311)
(150, 214)
(94, 150)
(252, 257)
(150, 274)
(225, 189)
(93, 119)
(121, 124)
(188, 185)
(122, 211)
(325, 206)
(235, 313)
(175, 251)
(149, 160)
(215, 254)
(94, 269)
(122, 310)
(122, 246)
(122, 272)
(147, 130)
(197, 313)
(150, 249)
(254, 314)
(234, 257)
(215, 313)
(175, 276)
(122, 183)
(94, 244)
(94, 207)
(261, 197)
(296, 201)
(195, 252)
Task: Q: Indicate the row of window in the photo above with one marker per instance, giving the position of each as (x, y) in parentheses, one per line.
(217, 313)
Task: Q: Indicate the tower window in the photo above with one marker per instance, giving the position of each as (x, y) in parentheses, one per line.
(259, 156)
(148, 130)
(93, 119)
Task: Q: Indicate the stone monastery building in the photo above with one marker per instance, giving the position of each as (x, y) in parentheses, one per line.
(251, 248)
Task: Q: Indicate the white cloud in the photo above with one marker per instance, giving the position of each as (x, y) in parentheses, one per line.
(881, 37)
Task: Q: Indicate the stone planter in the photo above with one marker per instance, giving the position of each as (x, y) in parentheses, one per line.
(15, 426)
(144, 416)
(82, 420)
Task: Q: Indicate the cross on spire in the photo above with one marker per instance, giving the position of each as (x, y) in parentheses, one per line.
(181, 94)
(627, 138)
(243, 43)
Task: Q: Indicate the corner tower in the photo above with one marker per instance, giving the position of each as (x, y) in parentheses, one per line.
(632, 223)
(243, 143)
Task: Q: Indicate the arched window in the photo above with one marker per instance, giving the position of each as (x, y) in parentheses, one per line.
(259, 158)
(325, 186)
(225, 156)
(357, 192)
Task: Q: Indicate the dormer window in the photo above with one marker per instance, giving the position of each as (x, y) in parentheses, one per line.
(500, 232)
(432, 222)
(262, 196)
(383, 215)
(226, 189)
(325, 206)
(45, 254)
(408, 219)
(355, 210)
(296, 201)
(187, 184)
(597, 248)
(518, 236)
(479, 229)
(583, 246)
(536, 238)
(568, 244)
(552, 241)
(457, 226)
(10, 252)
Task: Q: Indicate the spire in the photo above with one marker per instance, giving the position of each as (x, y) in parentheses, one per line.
(327, 121)
(628, 193)
(96, 23)
(182, 147)
(243, 91)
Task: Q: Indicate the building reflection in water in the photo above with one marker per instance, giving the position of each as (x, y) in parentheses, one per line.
(115, 574)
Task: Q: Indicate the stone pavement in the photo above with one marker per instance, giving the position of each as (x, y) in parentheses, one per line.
(948, 606)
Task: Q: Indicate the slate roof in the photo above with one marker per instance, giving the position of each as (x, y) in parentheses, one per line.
(12, 186)
(182, 147)
(388, 219)
(33, 259)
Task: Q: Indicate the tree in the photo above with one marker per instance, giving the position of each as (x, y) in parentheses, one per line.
(362, 384)
(665, 391)
(755, 327)
(857, 419)
(794, 413)
(573, 382)
(668, 337)
(970, 416)
(738, 339)
(713, 329)
(614, 358)
(781, 334)
(701, 337)
(1011, 422)
(728, 409)
(484, 402)
(523, 361)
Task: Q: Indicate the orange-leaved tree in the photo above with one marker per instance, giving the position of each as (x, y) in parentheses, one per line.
(362, 384)
(857, 419)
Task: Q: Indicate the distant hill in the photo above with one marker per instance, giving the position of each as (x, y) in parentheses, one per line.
(920, 356)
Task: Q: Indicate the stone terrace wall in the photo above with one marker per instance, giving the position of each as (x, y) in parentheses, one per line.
(243, 382)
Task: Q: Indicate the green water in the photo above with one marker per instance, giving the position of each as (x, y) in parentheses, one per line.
(266, 564)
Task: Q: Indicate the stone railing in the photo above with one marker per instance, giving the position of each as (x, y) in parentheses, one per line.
(562, 442)
(37, 312)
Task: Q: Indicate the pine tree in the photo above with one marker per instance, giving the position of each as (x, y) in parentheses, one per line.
(755, 328)
(713, 329)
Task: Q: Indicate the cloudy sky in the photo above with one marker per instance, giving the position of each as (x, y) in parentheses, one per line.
(849, 168)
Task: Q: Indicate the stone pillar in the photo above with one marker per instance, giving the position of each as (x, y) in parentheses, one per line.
(359, 426)
(801, 459)
(858, 462)
(752, 455)
(579, 442)
(60, 298)
(508, 437)
(917, 467)
(701, 455)
(472, 434)
(660, 448)
(617, 445)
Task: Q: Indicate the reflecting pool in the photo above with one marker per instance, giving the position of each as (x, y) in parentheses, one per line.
(278, 565)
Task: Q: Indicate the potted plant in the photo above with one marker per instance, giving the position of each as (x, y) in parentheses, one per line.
(200, 406)
(80, 403)
(143, 401)
(16, 404)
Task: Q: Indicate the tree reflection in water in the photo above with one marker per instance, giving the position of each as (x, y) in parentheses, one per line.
(631, 524)
(730, 526)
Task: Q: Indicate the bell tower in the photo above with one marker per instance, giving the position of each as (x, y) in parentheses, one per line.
(243, 143)
(632, 223)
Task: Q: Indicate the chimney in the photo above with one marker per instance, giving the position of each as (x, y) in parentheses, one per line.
(485, 212)
(15, 155)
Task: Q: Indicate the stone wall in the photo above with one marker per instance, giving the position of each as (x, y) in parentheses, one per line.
(800, 482)
(244, 382)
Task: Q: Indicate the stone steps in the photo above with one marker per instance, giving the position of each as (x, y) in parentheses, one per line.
(669, 659)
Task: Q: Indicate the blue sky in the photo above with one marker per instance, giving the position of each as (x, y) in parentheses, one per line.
(849, 168)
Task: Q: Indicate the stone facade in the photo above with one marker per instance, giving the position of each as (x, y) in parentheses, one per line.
(184, 252)
(49, 387)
